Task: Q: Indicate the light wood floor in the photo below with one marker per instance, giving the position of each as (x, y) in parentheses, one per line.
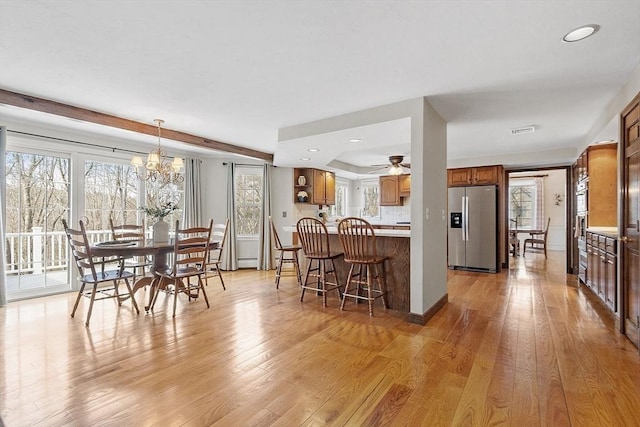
(524, 347)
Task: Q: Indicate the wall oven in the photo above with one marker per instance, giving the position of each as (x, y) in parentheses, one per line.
(581, 199)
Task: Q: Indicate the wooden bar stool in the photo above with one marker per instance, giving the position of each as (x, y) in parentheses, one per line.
(315, 246)
(292, 250)
(359, 244)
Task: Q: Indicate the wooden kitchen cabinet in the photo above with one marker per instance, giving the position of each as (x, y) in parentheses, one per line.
(324, 187)
(405, 185)
(482, 175)
(459, 177)
(393, 188)
(601, 174)
(389, 191)
(601, 268)
(610, 273)
(485, 175)
(319, 185)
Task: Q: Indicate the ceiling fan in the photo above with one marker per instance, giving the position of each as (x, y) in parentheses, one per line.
(396, 166)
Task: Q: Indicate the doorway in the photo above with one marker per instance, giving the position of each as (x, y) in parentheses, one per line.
(538, 198)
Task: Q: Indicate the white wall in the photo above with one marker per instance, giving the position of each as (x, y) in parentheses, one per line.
(555, 183)
(283, 210)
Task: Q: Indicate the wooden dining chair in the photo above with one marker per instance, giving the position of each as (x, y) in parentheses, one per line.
(314, 239)
(92, 272)
(190, 253)
(537, 241)
(514, 242)
(367, 271)
(288, 254)
(132, 232)
(214, 259)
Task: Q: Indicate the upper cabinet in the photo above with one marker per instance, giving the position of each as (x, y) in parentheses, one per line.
(483, 175)
(324, 187)
(598, 166)
(314, 186)
(405, 185)
(393, 188)
(459, 177)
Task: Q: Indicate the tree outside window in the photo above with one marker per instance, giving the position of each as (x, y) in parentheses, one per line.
(522, 205)
(340, 208)
(111, 192)
(248, 195)
(37, 199)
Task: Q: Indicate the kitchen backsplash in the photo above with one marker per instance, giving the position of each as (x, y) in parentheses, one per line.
(394, 214)
(388, 214)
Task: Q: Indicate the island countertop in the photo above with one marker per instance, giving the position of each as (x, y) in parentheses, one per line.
(393, 244)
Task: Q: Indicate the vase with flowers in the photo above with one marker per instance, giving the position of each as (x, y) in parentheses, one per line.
(161, 227)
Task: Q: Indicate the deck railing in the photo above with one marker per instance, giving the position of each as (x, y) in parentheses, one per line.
(35, 252)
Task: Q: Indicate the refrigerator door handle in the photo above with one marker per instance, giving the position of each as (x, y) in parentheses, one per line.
(466, 217)
(465, 212)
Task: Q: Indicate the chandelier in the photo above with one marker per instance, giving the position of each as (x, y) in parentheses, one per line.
(158, 167)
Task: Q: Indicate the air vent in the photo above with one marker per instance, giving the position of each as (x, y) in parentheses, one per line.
(526, 129)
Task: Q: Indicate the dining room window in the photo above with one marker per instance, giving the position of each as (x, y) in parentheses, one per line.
(248, 198)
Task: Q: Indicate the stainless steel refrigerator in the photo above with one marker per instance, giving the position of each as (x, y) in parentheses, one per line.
(473, 228)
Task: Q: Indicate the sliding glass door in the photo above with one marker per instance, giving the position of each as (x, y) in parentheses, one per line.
(38, 198)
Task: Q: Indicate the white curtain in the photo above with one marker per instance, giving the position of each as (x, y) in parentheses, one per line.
(229, 254)
(3, 172)
(192, 214)
(540, 220)
(266, 259)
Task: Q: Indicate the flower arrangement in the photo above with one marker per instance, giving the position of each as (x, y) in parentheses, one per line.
(160, 211)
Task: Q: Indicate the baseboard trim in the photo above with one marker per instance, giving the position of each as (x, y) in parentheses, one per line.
(422, 319)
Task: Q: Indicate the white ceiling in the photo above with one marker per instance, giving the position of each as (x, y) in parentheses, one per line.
(237, 71)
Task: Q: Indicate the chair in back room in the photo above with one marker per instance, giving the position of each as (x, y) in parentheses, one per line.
(537, 241)
(291, 250)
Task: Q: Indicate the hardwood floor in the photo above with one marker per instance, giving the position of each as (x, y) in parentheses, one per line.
(523, 347)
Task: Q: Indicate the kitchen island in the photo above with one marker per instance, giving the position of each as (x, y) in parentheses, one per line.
(392, 243)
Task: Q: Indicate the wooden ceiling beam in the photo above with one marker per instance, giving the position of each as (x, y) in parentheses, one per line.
(52, 107)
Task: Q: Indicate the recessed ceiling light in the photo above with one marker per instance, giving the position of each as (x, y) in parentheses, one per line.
(305, 159)
(580, 33)
(313, 150)
(354, 140)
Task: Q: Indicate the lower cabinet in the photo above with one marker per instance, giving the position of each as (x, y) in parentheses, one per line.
(601, 268)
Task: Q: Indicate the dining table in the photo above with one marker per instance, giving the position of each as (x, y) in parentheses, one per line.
(513, 234)
(158, 251)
